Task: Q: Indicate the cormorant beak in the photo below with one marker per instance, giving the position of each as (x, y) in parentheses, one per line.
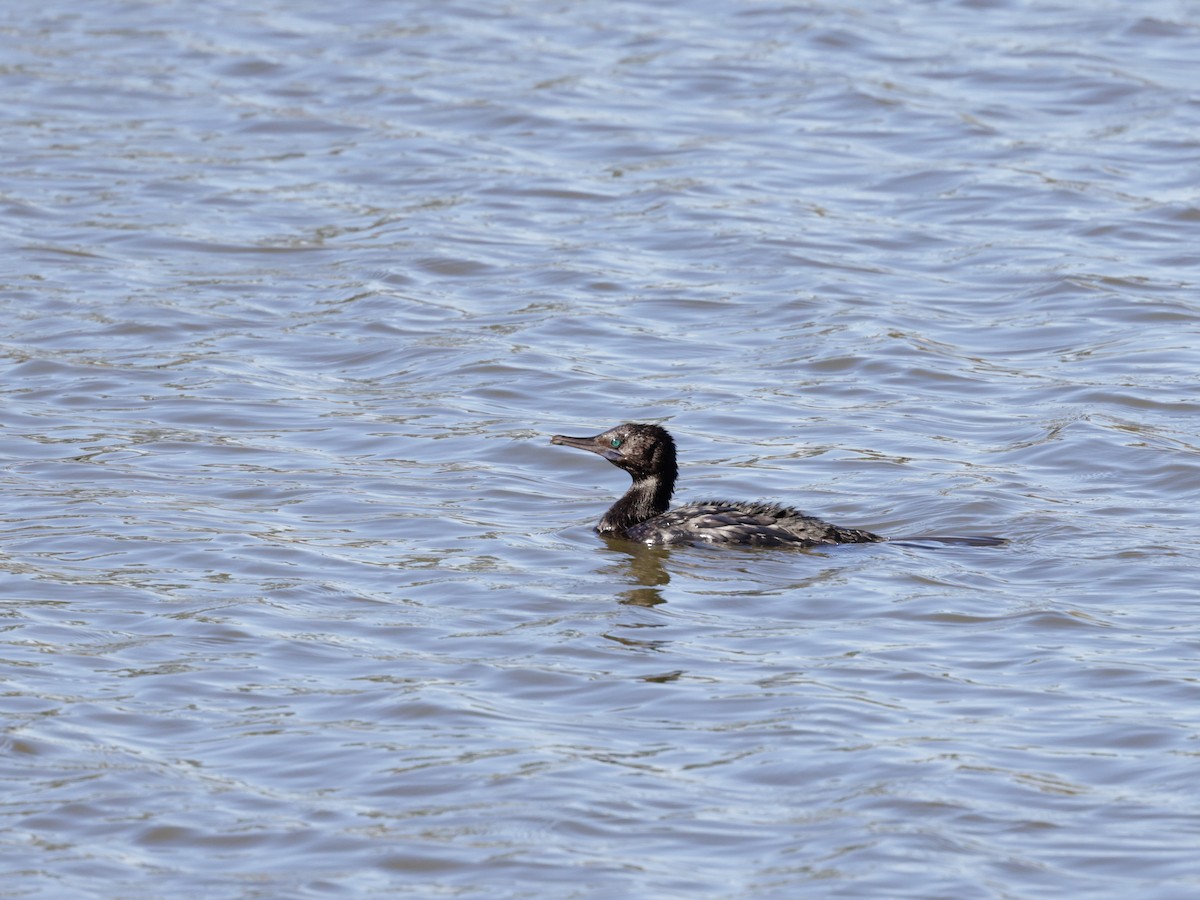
(594, 444)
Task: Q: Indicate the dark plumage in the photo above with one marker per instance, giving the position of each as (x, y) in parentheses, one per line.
(647, 453)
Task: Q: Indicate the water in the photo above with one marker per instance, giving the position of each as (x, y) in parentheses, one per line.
(298, 598)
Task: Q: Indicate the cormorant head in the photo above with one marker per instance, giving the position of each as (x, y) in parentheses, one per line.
(644, 451)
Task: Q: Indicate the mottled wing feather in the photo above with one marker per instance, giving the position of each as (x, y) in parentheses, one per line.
(755, 524)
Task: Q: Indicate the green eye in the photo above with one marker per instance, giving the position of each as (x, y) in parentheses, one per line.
(615, 443)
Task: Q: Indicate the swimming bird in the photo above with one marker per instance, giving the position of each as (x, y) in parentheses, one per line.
(647, 453)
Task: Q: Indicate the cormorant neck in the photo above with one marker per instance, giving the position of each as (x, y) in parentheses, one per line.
(646, 498)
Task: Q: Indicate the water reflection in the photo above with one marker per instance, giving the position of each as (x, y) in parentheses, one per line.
(641, 565)
(635, 644)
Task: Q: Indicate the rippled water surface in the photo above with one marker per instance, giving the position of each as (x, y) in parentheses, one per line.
(298, 600)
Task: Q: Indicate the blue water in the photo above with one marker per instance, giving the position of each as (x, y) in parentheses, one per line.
(298, 600)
